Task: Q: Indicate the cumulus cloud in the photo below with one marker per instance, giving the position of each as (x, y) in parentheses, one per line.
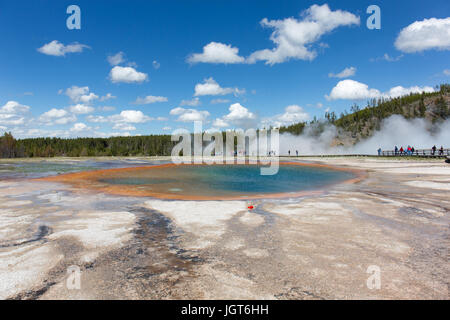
(13, 107)
(210, 87)
(80, 94)
(57, 116)
(130, 116)
(56, 48)
(292, 114)
(188, 115)
(127, 75)
(216, 52)
(293, 38)
(239, 112)
(354, 90)
(150, 99)
(79, 127)
(96, 119)
(238, 116)
(191, 103)
(116, 59)
(12, 113)
(425, 35)
(347, 72)
(220, 123)
(81, 109)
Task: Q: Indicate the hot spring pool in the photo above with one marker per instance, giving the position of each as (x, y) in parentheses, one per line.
(209, 181)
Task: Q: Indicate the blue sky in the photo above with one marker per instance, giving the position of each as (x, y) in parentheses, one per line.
(265, 62)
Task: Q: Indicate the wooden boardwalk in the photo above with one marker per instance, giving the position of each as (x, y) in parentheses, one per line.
(426, 153)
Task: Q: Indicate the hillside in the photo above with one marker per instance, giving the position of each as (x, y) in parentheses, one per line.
(361, 123)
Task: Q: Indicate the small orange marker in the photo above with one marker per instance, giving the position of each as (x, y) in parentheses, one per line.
(250, 207)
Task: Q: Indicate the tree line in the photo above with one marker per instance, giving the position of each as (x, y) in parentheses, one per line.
(153, 145)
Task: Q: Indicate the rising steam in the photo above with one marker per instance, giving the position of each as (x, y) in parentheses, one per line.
(395, 131)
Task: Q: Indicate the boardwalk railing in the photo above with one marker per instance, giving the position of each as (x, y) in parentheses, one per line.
(418, 152)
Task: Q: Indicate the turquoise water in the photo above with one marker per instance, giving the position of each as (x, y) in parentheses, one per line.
(293, 178)
(227, 180)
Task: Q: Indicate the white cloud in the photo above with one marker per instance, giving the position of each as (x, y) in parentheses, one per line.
(191, 103)
(124, 127)
(150, 99)
(80, 127)
(293, 38)
(116, 59)
(80, 94)
(446, 72)
(81, 109)
(399, 91)
(13, 107)
(107, 108)
(354, 90)
(156, 64)
(13, 120)
(388, 58)
(107, 97)
(96, 119)
(130, 116)
(216, 52)
(219, 101)
(292, 114)
(347, 72)
(188, 115)
(127, 75)
(212, 88)
(53, 113)
(57, 116)
(238, 112)
(220, 123)
(56, 48)
(64, 120)
(12, 113)
(238, 116)
(425, 35)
